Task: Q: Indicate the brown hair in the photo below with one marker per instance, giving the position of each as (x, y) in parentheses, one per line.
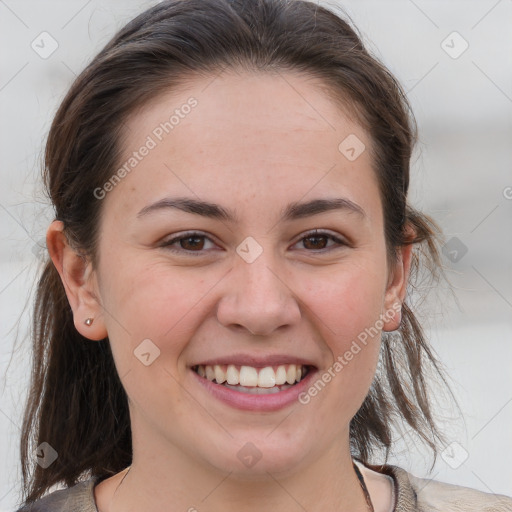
(76, 402)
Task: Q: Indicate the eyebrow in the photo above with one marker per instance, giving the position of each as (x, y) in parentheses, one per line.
(293, 211)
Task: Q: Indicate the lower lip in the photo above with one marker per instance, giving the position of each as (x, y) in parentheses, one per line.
(248, 402)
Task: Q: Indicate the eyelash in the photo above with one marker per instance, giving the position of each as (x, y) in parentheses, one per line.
(194, 234)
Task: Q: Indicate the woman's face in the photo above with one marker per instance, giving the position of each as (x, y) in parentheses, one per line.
(248, 285)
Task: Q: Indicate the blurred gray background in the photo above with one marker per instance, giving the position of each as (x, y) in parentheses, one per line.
(453, 59)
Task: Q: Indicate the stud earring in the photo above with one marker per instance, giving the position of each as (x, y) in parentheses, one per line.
(88, 321)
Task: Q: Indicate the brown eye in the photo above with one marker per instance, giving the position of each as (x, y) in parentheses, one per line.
(315, 242)
(192, 242)
(318, 241)
(189, 244)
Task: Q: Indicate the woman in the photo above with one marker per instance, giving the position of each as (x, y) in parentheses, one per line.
(223, 323)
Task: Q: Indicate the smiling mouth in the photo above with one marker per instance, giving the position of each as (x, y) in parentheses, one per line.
(251, 380)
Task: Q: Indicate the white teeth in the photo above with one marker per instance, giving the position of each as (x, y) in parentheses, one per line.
(250, 377)
(220, 376)
(291, 374)
(210, 373)
(232, 375)
(280, 375)
(267, 378)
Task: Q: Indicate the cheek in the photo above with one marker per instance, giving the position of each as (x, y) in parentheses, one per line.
(345, 302)
(153, 302)
(153, 313)
(346, 307)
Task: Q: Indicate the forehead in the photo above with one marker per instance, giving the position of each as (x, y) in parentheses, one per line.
(245, 135)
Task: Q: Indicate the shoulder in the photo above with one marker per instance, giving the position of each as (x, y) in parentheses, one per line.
(427, 495)
(78, 498)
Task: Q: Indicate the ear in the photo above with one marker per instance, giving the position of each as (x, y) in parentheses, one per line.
(79, 280)
(396, 289)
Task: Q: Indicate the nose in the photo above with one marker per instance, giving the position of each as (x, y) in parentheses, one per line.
(257, 297)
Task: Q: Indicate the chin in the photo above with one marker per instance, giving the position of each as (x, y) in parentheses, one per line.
(252, 457)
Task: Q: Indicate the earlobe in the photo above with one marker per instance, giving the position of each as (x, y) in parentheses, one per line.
(79, 283)
(396, 291)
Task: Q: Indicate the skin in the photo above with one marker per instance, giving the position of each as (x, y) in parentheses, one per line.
(253, 144)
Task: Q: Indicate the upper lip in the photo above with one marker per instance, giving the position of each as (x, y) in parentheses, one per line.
(256, 361)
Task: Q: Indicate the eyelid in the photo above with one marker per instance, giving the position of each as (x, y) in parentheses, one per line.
(167, 244)
(340, 240)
